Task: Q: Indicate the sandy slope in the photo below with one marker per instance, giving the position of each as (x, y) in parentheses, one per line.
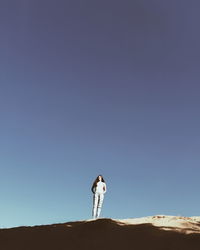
(175, 223)
(135, 234)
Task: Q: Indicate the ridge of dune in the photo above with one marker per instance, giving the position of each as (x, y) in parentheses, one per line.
(152, 232)
(167, 222)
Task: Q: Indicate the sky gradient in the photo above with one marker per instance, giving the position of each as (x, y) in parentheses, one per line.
(98, 87)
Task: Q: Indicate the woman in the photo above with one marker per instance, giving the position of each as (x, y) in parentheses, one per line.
(98, 189)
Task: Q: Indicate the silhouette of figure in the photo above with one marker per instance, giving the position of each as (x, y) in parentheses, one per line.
(98, 189)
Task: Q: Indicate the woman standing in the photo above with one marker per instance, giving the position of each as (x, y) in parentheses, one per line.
(98, 189)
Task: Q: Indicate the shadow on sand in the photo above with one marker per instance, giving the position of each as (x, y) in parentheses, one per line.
(98, 234)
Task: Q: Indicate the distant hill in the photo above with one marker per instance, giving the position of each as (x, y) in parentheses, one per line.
(156, 233)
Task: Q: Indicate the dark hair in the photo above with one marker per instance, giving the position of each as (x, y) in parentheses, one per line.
(97, 180)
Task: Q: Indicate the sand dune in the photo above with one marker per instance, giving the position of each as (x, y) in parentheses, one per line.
(175, 223)
(154, 232)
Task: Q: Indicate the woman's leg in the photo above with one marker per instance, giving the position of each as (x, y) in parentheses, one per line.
(100, 203)
(95, 203)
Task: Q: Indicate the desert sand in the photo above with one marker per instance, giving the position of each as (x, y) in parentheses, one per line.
(153, 232)
(174, 223)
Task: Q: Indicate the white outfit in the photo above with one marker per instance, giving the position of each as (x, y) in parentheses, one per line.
(99, 192)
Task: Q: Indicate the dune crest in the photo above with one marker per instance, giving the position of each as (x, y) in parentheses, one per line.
(158, 232)
(166, 222)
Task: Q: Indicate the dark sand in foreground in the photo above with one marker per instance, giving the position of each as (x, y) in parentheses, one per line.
(98, 234)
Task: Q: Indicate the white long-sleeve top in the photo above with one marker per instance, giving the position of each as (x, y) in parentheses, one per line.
(100, 188)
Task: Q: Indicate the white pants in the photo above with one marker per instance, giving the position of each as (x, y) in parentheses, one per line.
(97, 204)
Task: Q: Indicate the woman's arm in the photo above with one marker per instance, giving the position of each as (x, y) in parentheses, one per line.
(104, 188)
(93, 189)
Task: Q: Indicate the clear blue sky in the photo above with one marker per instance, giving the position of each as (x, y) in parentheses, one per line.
(98, 87)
